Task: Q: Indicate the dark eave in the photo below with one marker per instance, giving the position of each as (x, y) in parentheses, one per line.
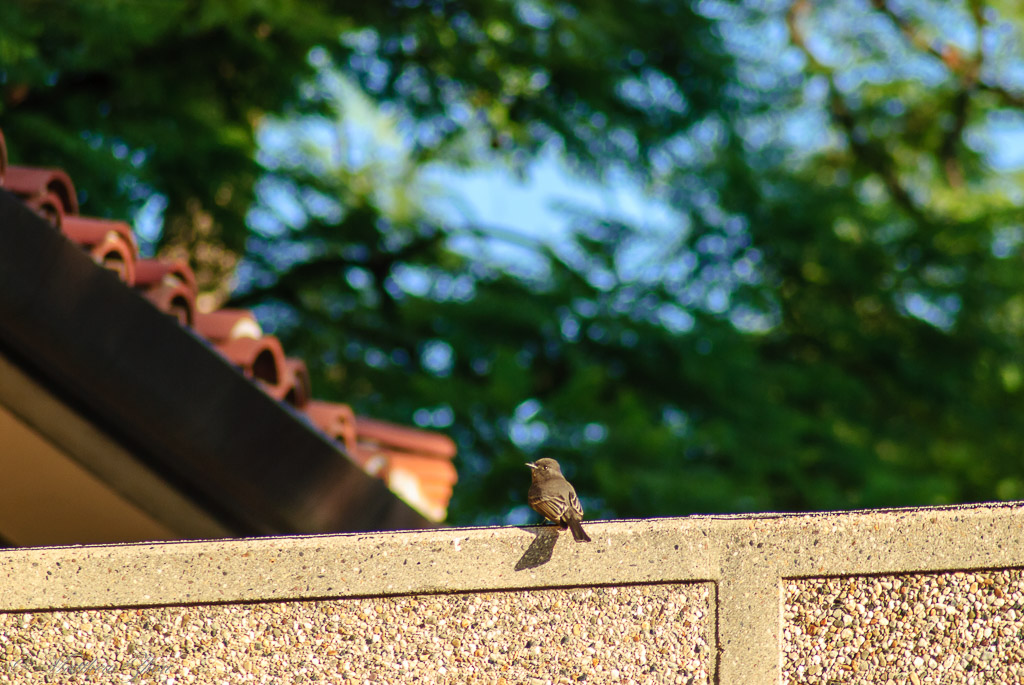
(168, 399)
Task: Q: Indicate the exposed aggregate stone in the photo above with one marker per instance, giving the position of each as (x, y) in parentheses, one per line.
(631, 634)
(944, 628)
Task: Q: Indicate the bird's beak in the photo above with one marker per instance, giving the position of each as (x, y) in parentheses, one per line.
(531, 464)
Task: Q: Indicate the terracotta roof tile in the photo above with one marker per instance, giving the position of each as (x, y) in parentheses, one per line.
(88, 232)
(111, 243)
(48, 206)
(175, 299)
(416, 464)
(300, 387)
(169, 284)
(440, 472)
(336, 420)
(151, 272)
(30, 183)
(259, 358)
(385, 434)
(227, 324)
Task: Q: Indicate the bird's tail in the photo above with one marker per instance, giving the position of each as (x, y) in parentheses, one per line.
(578, 534)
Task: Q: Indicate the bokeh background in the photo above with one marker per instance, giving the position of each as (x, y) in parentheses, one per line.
(712, 256)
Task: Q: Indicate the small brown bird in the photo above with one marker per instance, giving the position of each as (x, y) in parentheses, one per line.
(554, 498)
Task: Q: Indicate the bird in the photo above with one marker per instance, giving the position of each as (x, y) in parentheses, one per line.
(554, 498)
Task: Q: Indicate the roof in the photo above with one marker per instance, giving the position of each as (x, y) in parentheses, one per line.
(205, 400)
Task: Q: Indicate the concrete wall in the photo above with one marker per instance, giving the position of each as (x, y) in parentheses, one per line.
(900, 596)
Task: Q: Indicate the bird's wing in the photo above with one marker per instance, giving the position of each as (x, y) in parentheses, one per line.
(574, 502)
(551, 508)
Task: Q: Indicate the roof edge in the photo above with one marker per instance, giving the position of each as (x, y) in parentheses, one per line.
(165, 394)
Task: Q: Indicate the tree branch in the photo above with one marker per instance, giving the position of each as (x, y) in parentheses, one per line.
(966, 69)
(872, 155)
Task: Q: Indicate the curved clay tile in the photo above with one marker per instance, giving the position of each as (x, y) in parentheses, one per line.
(435, 478)
(111, 243)
(429, 469)
(173, 298)
(414, 463)
(115, 254)
(89, 231)
(337, 420)
(300, 387)
(29, 182)
(388, 434)
(438, 493)
(48, 206)
(149, 272)
(407, 485)
(227, 324)
(261, 359)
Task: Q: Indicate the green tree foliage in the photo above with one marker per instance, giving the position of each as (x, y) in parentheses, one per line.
(831, 318)
(156, 96)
